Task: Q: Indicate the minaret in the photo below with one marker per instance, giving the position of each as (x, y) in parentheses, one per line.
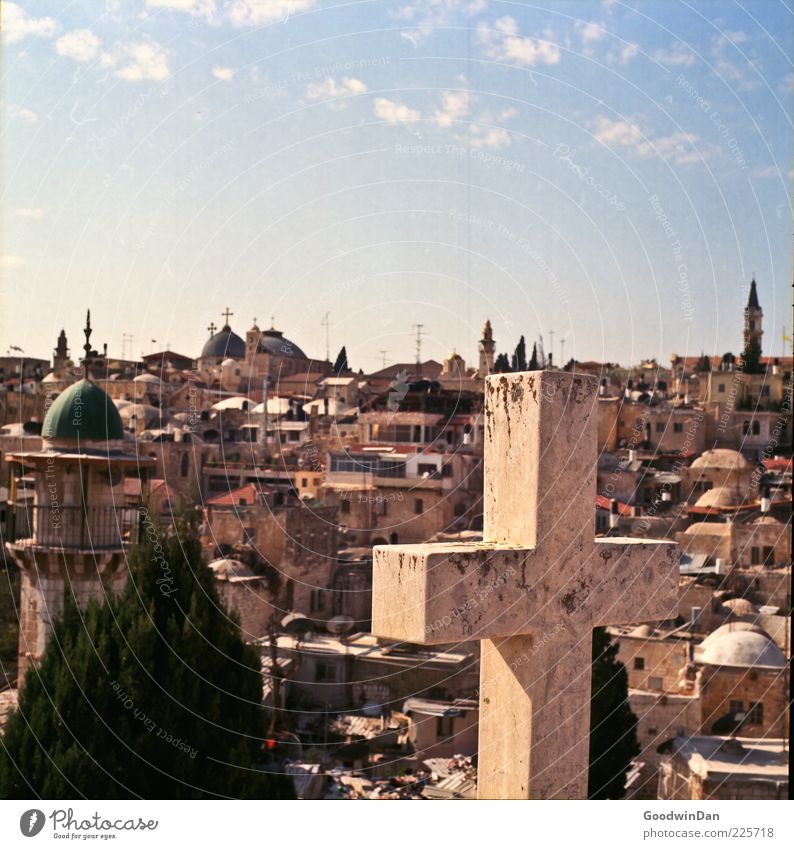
(753, 318)
(487, 347)
(60, 356)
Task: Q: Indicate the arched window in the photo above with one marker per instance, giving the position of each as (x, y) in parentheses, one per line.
(746, 427)
(756, 428)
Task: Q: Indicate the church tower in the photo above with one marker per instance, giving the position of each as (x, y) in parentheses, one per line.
(487, 347)
(753, 318)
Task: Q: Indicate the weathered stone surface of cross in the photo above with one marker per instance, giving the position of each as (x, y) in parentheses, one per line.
(534, 589)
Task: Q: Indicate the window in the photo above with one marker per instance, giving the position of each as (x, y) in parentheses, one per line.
(418, 506)
(678, 427)
(304, 482)
(769, 555)
(736, 706)
(427, 469)
(756, 428)
(639, 663)
(745, 426)
(444, 727)
(345, 505)
(755, 715)
(183, 467)
(324, 672)
(316, 481)
(755, 555)
(317, 600)
(721, 389)
(765, 391)
(655, 683)
(660, 427)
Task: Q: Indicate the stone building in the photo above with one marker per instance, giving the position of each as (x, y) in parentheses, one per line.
(718, 767)
(74, 534)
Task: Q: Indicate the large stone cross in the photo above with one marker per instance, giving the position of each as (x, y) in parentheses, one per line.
(534, 589)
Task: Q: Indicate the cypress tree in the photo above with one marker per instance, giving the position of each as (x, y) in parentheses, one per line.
(341, 362)
(613, 726)
(150, 694)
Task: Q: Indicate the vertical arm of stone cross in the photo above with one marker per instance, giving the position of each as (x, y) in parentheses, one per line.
(540, 466)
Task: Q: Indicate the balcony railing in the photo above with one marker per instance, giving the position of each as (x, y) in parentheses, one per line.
(89, 528)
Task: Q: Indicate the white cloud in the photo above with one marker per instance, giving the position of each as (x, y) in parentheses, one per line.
(23, 114)
(590, 31)
(680, 148)
(769, 171)
(731, 63)
(395, 113)
(18, 24)
(503, 43)
(495, 137)
(428, 15)
(11, 261)
(627, 53)
(677, 55)
(29, 213)
(197, 8)
(80, 44)
(454, 107)
(254, 13)
(140, 60)
(226, 75)
(330, 88)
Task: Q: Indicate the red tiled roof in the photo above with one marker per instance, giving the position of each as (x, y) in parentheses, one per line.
(605, 504)
(778, 464)
(248, 495)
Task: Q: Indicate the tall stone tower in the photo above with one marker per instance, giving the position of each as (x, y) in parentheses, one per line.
(487, 348)
(753, 318)
(70, 534)
(60, 356)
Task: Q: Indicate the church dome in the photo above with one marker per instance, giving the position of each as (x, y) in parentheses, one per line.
(274, 342)
(720, 496)
(83, 411)
(225, 343)
(720, 458)
(742, 648)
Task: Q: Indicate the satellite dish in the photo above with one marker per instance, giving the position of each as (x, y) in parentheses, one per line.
(296, 623)
(340, 625)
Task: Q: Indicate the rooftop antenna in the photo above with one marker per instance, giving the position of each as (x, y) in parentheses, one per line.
(326, 323)
(126, 338)
(562, 352)
(418, 328)
(383, 357)
(551, 342)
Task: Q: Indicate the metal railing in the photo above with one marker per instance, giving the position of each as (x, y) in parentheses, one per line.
(88, 528)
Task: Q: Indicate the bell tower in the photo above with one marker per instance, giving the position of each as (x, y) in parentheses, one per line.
(753, 318)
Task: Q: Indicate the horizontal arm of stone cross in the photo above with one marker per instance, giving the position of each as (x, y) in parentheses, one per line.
(447, 592)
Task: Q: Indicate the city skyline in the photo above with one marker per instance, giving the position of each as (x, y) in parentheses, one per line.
(615, 175)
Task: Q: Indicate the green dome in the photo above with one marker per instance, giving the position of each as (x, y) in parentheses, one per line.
(83, 411)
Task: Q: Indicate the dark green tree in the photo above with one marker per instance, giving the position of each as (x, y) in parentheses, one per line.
(501, 364)
(150, 694)
(751, 358)
(533, 360)
(341, 362)
(519, 361)
(613, 726)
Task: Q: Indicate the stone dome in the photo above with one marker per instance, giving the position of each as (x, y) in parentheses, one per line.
(720, 632)
(275, 342)
(146, 377)
(83, 411)
(720, 458)
(224, 343)
(740, 606)
(643, 631)
(720, 496)
(741, 647)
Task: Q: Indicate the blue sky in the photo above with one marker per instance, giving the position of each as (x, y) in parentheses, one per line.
(614, 173)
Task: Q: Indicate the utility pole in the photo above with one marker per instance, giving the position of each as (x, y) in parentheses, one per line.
(126, 338)
(383, 356)
(562, 352)
(326, 323)
(551, 346)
